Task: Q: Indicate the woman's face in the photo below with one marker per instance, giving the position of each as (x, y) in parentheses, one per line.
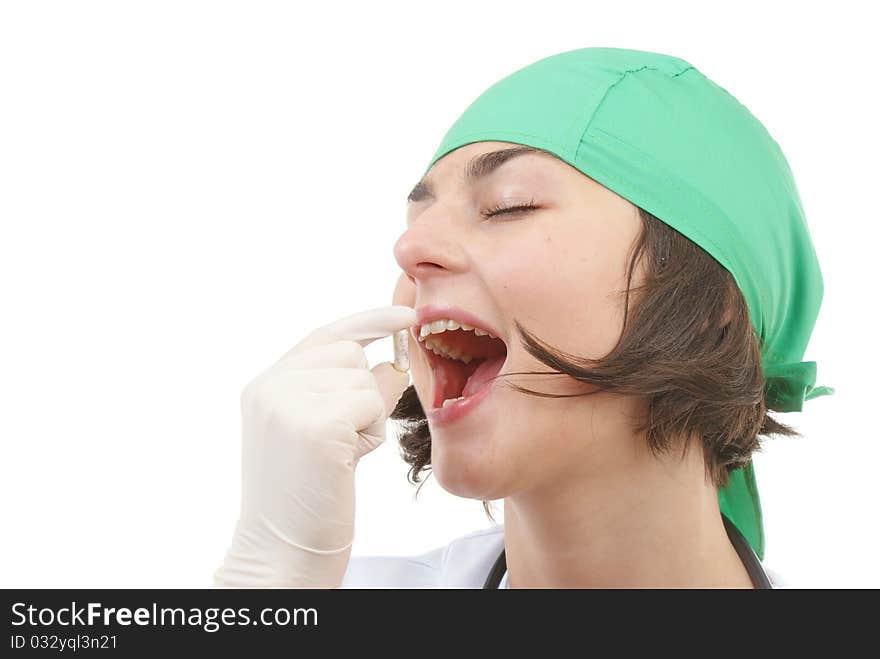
(557, 270)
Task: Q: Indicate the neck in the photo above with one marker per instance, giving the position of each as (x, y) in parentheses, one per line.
(654, 523)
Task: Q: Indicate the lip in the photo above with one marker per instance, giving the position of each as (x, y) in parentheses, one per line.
(440, 416)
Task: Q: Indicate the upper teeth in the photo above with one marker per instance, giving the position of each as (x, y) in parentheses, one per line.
(440, 326)
(437, 346)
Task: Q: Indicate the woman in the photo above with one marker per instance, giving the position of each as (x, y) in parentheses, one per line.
(608, 282)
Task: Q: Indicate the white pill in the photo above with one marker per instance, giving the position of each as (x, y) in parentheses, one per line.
(401, 350)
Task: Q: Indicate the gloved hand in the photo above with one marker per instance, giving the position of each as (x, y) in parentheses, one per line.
(306, 422)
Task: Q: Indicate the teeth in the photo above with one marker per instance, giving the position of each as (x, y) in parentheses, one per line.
(450, 401)
(440, 326)
(439, 349)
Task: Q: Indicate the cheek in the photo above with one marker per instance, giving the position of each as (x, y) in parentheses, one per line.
(404, 292)
(565, 294)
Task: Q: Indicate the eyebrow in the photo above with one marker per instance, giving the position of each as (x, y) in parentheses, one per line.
(480, 166)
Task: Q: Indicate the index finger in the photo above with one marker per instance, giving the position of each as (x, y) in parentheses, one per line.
(364, 327)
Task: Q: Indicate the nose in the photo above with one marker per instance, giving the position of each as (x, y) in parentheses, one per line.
(430, 247)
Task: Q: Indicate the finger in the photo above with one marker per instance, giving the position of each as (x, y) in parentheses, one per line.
(294, 381)
(392, 383)
(363, 407)
(340, 354)
(363, 327)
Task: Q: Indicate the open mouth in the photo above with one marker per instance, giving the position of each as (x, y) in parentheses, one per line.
(463, 359)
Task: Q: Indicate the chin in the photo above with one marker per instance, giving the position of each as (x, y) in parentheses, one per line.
(464, 476)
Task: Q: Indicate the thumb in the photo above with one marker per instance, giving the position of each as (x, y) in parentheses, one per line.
(392, 383)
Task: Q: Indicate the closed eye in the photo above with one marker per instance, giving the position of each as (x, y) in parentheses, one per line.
(502, 210)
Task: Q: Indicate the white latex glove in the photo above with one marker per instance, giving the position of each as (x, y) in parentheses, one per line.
(306, 422)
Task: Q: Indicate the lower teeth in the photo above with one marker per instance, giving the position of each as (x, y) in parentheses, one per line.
(450, 401)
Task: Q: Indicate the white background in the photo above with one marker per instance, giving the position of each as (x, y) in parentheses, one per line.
(188, 188)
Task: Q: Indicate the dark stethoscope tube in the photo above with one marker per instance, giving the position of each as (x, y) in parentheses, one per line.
(743, 549)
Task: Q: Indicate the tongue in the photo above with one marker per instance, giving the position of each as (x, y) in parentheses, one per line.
(485, 371)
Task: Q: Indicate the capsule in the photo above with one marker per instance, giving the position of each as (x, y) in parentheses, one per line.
(401, 351)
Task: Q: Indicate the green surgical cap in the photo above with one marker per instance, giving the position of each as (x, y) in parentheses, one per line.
(659, 133)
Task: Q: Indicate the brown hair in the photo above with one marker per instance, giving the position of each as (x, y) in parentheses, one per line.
(689, 350)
